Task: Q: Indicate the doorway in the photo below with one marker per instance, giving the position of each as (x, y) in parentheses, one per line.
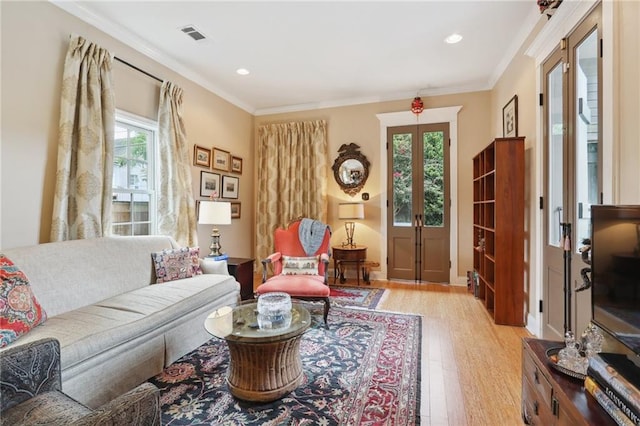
(572, 141)
(418, 219)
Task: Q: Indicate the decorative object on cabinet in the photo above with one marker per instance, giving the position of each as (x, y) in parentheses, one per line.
(209, 184)
(510, 118)
(350, 211)
(221, 159)
(235, 210)
(351, 168)
(236, 164)
(553, 398)
(214, 213)
(201, 156)
(498, 229)
(230, 187)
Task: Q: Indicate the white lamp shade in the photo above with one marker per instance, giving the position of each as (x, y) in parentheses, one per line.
(220, 322)
(214, 213)
(350, 211)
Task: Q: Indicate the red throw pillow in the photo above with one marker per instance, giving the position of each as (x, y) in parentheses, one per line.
(19, 309)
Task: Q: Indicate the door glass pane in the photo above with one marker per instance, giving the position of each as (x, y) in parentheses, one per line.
(555, 154)
(402, 179)
(586, 125)
(433, 175)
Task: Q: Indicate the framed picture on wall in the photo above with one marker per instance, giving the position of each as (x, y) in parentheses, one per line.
(230, 187)
(236, 164)
(510, 118)
(235, 210)
(201, 156)
(221, 159)
(209, 184)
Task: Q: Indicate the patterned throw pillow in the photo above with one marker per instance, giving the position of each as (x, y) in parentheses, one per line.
(300, 265)
(19, 309)
(176, 264)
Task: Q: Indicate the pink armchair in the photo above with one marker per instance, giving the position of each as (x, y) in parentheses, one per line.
(295, 271)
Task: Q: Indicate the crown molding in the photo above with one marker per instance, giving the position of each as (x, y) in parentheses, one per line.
(137, 43)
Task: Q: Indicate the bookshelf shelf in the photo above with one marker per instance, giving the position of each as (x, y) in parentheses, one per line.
(498, 228)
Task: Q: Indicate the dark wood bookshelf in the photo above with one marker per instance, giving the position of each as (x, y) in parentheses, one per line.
(498, 228)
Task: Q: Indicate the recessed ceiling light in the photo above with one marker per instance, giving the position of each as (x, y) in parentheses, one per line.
(242, 71)
(453, 38)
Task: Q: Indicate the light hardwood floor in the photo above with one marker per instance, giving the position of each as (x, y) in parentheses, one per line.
(471, 367)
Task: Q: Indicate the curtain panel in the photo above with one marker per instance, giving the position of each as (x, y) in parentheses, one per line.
(292, 170)
(83, 189)
(176, 205)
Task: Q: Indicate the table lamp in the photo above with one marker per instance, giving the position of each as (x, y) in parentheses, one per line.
(350, 211)
(215, 213)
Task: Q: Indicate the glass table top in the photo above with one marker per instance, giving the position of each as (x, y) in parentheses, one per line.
(245, 324)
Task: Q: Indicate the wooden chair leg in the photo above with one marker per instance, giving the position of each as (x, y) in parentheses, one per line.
(327, 305)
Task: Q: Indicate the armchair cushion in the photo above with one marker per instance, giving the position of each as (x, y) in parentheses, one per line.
(19, 310)
(296, 286)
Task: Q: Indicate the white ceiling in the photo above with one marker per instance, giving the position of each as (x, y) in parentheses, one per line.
(310, 54)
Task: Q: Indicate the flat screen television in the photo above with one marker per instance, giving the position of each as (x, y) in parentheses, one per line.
(615, 272)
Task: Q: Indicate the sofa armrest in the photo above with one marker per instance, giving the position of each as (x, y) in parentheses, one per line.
(140, 406)
(29, 370)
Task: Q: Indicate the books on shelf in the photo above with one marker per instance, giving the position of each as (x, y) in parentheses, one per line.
(605, 402)
(618, 378)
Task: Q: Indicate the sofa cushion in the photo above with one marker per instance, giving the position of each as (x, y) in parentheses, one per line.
(19, 310)
(91, 330)
(176, 264)
(211, 266)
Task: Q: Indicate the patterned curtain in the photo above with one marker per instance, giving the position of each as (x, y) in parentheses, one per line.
(176, 206)
(292, 166)
(83, 190)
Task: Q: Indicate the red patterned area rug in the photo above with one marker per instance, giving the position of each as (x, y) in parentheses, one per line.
(365, 297)
(363, 370)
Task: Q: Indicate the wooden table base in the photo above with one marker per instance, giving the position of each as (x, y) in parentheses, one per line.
(264, 372)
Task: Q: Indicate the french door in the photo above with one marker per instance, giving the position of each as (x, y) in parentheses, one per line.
(572, 173)
(418, 226)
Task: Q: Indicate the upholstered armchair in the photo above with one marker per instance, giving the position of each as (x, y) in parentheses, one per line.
(30, 393)
(299, 263)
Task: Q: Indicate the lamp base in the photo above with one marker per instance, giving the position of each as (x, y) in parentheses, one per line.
(215, 247)
(349, 228)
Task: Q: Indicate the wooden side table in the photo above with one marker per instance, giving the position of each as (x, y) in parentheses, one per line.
(347, 254)
(242, 271)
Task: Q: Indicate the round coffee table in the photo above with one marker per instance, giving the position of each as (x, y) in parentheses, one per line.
(264, 365)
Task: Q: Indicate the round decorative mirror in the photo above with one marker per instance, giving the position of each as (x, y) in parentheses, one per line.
(351, 168)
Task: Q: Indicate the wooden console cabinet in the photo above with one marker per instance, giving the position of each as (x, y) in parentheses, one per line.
(498, 229)
(552, 398)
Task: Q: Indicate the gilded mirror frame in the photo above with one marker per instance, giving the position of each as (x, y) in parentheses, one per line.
(351, 168)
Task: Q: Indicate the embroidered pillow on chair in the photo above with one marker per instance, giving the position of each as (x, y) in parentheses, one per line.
(292, 265)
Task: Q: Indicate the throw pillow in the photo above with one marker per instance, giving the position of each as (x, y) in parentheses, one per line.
(210, 266)
(300, 265)
(176, 264)
(19, 310)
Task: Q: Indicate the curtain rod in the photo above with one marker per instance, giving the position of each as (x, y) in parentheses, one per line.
(137, 69)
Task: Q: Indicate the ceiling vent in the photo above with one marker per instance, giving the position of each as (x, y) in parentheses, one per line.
(193, 32)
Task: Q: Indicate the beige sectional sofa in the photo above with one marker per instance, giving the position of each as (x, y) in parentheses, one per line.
(116, 327)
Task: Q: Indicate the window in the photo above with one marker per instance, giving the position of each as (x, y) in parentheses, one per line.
(133, 208)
